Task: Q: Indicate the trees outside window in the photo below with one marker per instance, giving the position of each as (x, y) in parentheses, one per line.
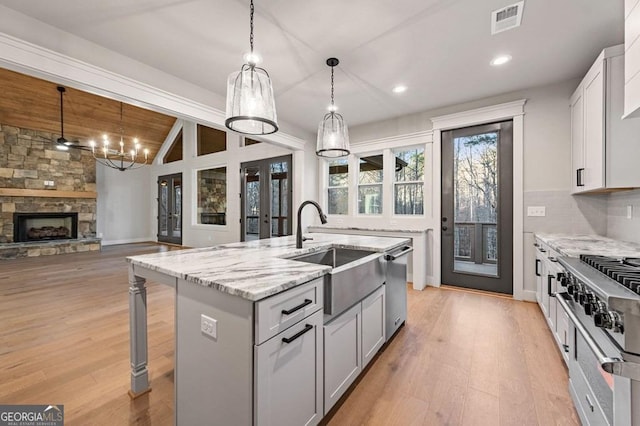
(409, 181)
(338, 187)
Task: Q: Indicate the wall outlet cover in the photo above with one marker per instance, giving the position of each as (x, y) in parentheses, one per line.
(536, 211)
(209, 326)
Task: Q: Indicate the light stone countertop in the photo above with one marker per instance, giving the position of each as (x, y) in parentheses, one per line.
(575, 245)
(257, 269)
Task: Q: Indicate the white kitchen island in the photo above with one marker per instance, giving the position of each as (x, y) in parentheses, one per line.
(249, 329)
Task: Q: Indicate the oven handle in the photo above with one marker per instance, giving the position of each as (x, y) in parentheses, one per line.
(611, 365)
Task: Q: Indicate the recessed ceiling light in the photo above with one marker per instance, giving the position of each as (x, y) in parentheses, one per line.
(400, 88)
(500, 60)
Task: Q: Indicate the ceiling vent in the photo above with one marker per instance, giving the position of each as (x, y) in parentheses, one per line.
(506, 18)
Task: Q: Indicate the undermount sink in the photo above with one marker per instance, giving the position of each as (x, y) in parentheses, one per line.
(354, 275)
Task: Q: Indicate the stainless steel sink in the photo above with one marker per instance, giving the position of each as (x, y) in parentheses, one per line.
(354, 274)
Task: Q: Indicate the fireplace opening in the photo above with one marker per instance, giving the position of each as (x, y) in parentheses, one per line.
(44, 226)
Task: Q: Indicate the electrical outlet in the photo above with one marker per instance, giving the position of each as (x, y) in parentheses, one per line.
(536, 211)
(209, 326)
(629, 212)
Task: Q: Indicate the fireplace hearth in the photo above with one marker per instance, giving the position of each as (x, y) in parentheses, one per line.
(30, 227)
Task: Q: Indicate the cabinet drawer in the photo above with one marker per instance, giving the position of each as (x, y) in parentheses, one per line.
(279, 312)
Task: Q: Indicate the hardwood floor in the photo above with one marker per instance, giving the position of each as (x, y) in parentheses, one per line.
(463, 357)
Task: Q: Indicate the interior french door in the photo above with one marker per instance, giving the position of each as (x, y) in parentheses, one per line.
(266, 198)
(170, 209)
(477, 207)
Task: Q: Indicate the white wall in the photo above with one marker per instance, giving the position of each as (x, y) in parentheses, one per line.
(618, 225)
(123, 205)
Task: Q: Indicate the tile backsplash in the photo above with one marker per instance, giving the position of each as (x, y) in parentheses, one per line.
(566, 213)
(618, 225)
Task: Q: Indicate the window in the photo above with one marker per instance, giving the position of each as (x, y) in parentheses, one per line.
(211, 140)
(370, 185)
(175, 152)
(408, 188)
(249, 141)
(338, 187)
(212, 196)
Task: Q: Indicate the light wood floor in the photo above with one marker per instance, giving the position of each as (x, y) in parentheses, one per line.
(463, 358)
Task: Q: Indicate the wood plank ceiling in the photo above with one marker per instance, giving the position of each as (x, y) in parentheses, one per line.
(32, 103)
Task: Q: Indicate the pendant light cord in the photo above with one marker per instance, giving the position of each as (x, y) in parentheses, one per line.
(332, 88)
(251, 25)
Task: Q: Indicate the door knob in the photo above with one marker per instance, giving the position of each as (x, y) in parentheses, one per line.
(444, 228)
(444, 219)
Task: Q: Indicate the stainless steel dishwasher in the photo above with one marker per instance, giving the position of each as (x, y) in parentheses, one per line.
(396, 289)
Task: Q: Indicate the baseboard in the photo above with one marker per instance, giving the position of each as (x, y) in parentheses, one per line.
(529, 296)
(127, 241)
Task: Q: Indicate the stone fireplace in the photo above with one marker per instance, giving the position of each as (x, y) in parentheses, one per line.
(44, 226)
(47, 197)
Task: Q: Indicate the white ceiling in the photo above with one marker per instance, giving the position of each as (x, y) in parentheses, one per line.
(440, 49)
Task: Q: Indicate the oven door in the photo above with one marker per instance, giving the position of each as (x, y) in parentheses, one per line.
(592, 388)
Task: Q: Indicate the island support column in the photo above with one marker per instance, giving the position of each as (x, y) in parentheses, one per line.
(138, 335)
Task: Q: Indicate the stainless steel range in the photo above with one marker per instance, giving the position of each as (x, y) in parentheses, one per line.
(601, 297)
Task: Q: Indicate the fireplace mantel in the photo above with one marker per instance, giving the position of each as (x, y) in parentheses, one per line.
(49, 193)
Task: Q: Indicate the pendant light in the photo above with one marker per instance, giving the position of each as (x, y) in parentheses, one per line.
(251, 107)
(333, 135)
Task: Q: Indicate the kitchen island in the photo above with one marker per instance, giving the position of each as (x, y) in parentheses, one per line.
(249, 329)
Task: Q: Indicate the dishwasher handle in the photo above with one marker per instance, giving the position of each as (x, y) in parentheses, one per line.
(393, 256)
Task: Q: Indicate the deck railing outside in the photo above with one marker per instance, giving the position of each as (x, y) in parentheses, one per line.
(476, 242)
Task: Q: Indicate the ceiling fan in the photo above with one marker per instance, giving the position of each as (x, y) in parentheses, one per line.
(62, 143)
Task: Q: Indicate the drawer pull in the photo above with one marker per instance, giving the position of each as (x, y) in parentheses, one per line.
(589, 402)
(297, 308)
(298, 334)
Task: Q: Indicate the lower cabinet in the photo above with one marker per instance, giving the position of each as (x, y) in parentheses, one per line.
(288, 381)
(373, 324)
(350, 342)
(342, 354)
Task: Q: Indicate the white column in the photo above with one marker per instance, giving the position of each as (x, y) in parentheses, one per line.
(138, 335)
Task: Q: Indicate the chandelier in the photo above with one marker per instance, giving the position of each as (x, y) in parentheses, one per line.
(333, 135)
(119, 158)
(251, 107)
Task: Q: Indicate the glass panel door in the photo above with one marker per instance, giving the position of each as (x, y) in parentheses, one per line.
(477, 207)
(266, 198)
(170, 208)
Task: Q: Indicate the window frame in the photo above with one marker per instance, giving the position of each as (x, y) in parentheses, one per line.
(328, 187)
(422, 182)
(196, 194)
(359, 185)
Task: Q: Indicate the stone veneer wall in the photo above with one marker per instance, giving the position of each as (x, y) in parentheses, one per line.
(28, 158)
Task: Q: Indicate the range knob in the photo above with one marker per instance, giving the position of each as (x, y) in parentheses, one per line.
(586, 297)
(602, 319)
(616, 319)
(562, 279)
(578, 293)
(572, 287)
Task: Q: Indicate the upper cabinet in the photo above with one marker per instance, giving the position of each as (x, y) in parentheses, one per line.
(604, 147)
(632, 58)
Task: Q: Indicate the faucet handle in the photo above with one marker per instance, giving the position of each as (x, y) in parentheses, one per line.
(306, 238)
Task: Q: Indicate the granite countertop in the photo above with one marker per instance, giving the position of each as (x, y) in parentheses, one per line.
(319, 228)
(575, 245)
(257, 269)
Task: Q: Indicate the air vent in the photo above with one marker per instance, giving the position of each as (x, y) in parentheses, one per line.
(506, 18)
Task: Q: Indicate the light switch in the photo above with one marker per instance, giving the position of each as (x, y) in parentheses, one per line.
(629, 212)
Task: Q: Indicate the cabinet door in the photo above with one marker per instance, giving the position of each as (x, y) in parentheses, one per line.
(373, 324)
(342, 357)
(540, 280)
(563, 334)
(577, 140)
(288, 376)
(550, 287)
(594, 147)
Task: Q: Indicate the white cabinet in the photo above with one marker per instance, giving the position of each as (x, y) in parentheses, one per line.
(342, 354)
(602, 144)
(350, 341)
(373, 324)
(288, 381)
(632, 58)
